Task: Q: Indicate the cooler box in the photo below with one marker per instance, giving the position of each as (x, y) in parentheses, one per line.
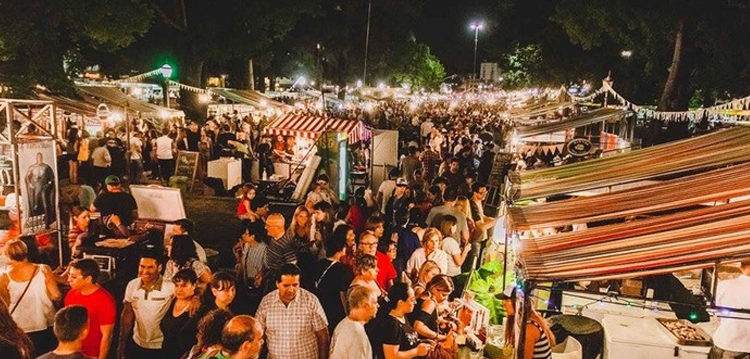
(229, 170)
(632, 338)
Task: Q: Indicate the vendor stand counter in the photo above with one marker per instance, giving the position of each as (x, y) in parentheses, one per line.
(632, 338)
(158, 207)
(228, 169)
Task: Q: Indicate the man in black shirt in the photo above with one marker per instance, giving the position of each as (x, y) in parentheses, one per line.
(118, 208)
(193, 137)
(453, 175)
(332, 280)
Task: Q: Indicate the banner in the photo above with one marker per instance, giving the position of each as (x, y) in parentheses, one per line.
(37, 165)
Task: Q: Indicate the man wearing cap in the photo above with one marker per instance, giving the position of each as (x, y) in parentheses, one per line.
(118, 208)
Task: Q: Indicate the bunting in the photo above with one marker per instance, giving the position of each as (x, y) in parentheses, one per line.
(735, 108)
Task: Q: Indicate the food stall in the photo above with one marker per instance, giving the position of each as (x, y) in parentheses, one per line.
(158, 208)
(549, 137)
(297, 139)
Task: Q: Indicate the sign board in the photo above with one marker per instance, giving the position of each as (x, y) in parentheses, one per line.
(158, 203)
(187, 165)
(103, 112)
(579, 147)
(37, 172)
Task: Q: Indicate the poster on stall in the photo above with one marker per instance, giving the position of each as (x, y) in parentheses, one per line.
(37, 166)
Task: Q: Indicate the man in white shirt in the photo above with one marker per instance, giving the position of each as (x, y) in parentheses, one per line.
(165, 155)
(732, 338)
(349, 338)
(385, 191)
(147, 299)
(425, 129)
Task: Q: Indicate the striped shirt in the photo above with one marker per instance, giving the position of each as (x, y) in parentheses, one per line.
(542, 349)
(253, 259)
(280, 251)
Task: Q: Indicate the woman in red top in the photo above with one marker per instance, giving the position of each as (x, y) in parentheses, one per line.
(357, 215)
(244, 209)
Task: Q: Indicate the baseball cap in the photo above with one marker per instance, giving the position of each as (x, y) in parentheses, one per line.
(112, 180)
(402, 182)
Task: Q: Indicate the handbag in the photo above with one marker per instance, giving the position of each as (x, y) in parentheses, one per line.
(24, 290)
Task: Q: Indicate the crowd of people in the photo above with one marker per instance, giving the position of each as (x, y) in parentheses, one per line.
(373, 276)
(152, 150)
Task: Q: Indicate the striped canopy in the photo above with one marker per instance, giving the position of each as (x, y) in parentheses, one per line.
(717, 149)
(680, 241)
(312, 127)
(684, 192)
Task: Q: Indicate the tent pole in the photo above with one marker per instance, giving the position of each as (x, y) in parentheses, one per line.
(57, 187)
(714, 283)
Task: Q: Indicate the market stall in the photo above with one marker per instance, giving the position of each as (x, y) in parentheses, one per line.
(114, 97)
(717, 149)
(666, 228)
(296, 139)
(244, 102)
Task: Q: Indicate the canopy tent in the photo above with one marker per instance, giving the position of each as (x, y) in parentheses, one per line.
(312, 127)
(79, 107)
(690, 239)
(717, 149)
(588, 118)
(249, 97)
(538, 110)
(114, 97)
(717, 185)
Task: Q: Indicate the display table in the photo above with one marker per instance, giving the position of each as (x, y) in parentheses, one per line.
(228, 169)
(630, 337)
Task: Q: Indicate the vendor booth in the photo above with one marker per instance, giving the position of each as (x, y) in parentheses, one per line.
(642, 233)
(158, 208)
(297, 139)
(29, 175)
(245, 102)
(114, 97)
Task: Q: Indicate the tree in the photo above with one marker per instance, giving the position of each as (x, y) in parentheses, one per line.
(417, 67)
(683, 37)
(521, 67)
(42, 41)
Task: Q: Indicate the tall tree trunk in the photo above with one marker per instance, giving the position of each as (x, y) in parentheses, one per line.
(665, 102)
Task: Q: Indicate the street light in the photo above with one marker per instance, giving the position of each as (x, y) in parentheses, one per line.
(476, 26)
(166, 73)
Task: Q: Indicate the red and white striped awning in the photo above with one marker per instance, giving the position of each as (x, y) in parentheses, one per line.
(312, 127)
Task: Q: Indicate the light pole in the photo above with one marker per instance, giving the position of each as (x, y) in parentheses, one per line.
(367, 40)
(476, 26)
(166, 73)
(320, 67)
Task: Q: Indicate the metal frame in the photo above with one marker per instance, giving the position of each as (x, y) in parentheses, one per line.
(41, 114)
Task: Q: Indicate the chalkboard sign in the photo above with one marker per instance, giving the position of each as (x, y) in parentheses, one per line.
(187, 165)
